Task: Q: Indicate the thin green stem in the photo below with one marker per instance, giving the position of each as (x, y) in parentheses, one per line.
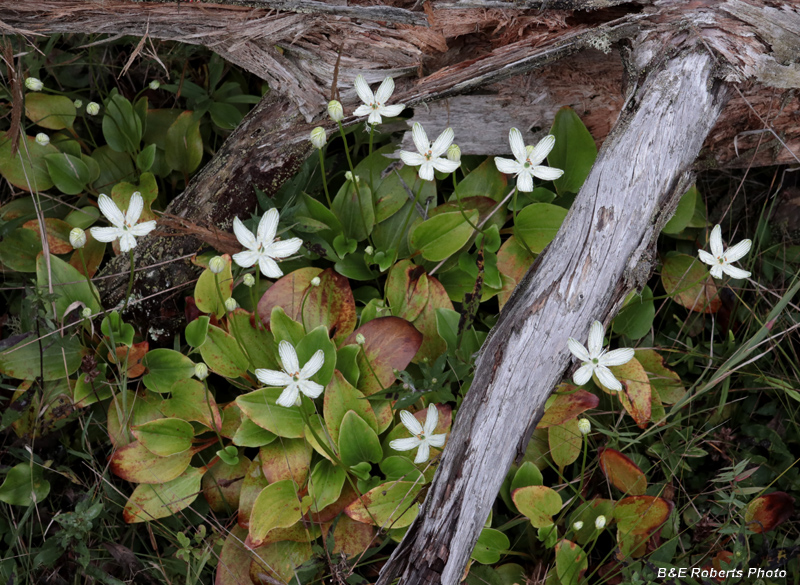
(408, 217)
(324, 178)
(371, 132)
(232, 323)
(353, 172)
(211, 414)
(130, 283)
(520, 240)
(461, 208)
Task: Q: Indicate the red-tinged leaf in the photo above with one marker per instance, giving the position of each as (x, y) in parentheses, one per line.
(390, 344)
(57, 234)
(407, 290)
(150, 502)
(637, 518)
(571, 562)
(565, 442)
(538, 503)
(327, 514)
(767, 512)
(664, 381)
(222, 484)
(567, 403)
(433, 345)
(276, 562)
(233, 567)
(635, 394)
(277, 506)
(623, 473)
(287, 293)
(142, 408)
(286, 459)
(513, 261)
(136, 464)
(688, 282)
(330, 304)
(352, 538)
(135, 354)
(390, 505)
(253, 484)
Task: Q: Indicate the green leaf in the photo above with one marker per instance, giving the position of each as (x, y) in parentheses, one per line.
(150, 502)
(683, 213)
(357, 441)
(135, 463)
(27, 169)
(355, 210)
(122, 128)
(442, 235)
(258, 341)
(571, 562)
(165, 367)
(260, 407)
(112, 326)
(249, 434)
(55, 112)
(565, 442)
(527, 474)
(389, 505)
(24, 485)
(539, 503)
(191, 401)
(225, 116)
(484, 181)
(637, 314)
(222, 354)
(114, 167)
(84, 216)
(184, 145)
(340, 398)
(284, 328)
(665, 382)
(207, 294)
(538, 224)
(165, 436)
(318, 340)
(277, 506)
(69, 173)
(69, 284)
(490, 546)
(399, 468)
(197, 330)
(688, 283)
(19, 249)
(145, 159)
(330, 304)
(27, 360)
(325, 484)
(574, 151)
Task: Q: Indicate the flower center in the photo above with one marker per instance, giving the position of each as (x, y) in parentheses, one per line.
(428, 155)
(595, 361)
(375, 105)
(527, 164)
(722, 259)
(296, 377)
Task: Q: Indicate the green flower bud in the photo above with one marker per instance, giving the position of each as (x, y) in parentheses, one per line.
(87, 312)
(335, 110)
(217, 264)
(77, 238)
(200, 371)
(249, 280)
(584, 426)
(93, 108)
(33, 84)
(154, 85)
(360, 339)
(369, 250)
(454, 153)
(600, 522)
(318, 137)
(578, 525)
(42, 138)
(231, 304)
(77, 104)
(315, 281)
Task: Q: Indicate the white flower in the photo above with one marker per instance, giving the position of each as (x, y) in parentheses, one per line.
(375, 104)
(584, 426)
(33, 84)
(577, 525)
(318, 137)
(335, 110)
(125, 226)
(596, 360)
(423, 436)
(42, 138)
(600, 522)
(720, 259)
(77, 238)
(294, 378)
(92, 108)
(263, 248)
(217, 264)
(154, 85)
(429, 156)
(528, 162)
(200, 371)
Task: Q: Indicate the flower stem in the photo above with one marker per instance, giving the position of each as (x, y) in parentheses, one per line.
(355, 179)
(371, 131)
(324, 178)
(130, 283)
(514, 214)
(408, 217)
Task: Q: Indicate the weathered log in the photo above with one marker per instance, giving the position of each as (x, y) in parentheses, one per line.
(601, 252)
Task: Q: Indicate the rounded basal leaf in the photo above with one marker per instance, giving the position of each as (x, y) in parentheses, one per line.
(688, 283)
(538, 224)
(390, 505)
(252, 485)
(407, 290)
(574, 151)
(683, 213)
(165, 437)
(358, 441)
(259, 342)
(352, 538)
(636, 317)
(623, 473)
(341, 397)
(276, 562)
(222, 354)
(398, 468)
(527, 474)
(261, 408)
(286, 459)
(442, 235)
(249, 434)
(325, 485)
(565, 442)
(233, 567)
(284, 328)
(318, 340)
(135, 463)
(27, 168)
(490, 546)
(433, 344)
(70, 285)
(150, 502)
(184, 145)
(566, 404)
(197, 330)
(287, 293)
(222, 484)
(19, 249)
(587, 513)
(55, 112)
(636, 391)
(207, 294)
(389, 344)
(767, 512)
(637, 518)
(21, 357)
(538, 503)
(484, 181)
(330, 304)
(24, 485)
(69, 173)
(57, 234)
(355, 210)
(665, 382)
(571, 562)
(191, 401)
(145, 408)
(513, 261)
(277, 506)
(164, 368)
(122, 127)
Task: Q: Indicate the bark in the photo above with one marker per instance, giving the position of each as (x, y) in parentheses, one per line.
(601, 252)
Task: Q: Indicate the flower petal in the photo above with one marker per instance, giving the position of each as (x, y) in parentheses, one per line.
(617, 357)
(364, 92)
(269, 267)
(247, 258)
(578, 350)
(420, 138)
(405, 444)
(431, 420)
(517, 145)
(313, 365)
(442, 143)
(607, 379)
(268, 227)
(110, 210)
(126, 242)
(142, 229)
(583, 374)
(507, 166)
(273, 378)
(310, 388)
(716, 271)
(426, 171)
(706, 257)
(244, 235)
(135, 208)
(385, 91)
(547, 173)
(392, 111)
(374, 117)
(106, 234)
(362, 110)
(738, 251)
(289, 396)
(284, 248)
(410, 422)
(596, 334)
(444, 165)
(423, 453)
(437, 440)
(412, 159)
(525, 181)
(288, 357)
(734, 272)
(541, 150)
(715, 241)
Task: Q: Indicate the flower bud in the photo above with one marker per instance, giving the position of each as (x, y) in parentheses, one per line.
(577, 525)
(33, 84)
(42, 138)
(200, 371)
(335, 110)
(249, 280)
(154, 85)
(360, 340)
(600, 522)
(77, 104)
(369, 250)
(92, 108)
(318, 137)
(231, 304)
(87, 312)
(454, 153)
(584, 426)
(217, 264)
(77, 238)
(350, 177)
(315, 281)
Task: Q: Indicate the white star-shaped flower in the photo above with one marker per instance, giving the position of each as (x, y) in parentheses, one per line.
(263, 248)
(293, 378)
(528, 161)
(375, 104)
(596, 359)
(720, 259)
(124, 224)
(423, 436)
(429, 156)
